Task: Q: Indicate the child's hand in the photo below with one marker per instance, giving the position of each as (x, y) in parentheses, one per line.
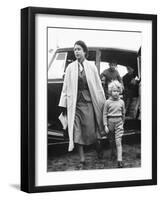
(106, 130)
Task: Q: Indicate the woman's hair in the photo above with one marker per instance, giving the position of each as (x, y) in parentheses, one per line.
(83, 45)
(115, 84)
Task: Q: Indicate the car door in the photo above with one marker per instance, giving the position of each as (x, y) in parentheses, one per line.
(55, 82)
(56, 72)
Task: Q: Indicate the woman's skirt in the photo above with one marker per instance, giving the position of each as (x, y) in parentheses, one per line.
(84, 124)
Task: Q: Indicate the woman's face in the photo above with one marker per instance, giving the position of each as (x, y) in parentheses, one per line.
(79, 53)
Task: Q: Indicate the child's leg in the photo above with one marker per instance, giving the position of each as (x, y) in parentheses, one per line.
(118, 139)
(119, 149)
(112, 145)
(111, 137)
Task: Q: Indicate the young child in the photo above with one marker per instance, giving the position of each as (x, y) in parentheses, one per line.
(110, 74)
(113, 119)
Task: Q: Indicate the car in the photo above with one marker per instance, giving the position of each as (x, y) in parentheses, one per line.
(100, 56)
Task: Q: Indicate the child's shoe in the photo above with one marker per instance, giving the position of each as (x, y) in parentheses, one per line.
(120, 164)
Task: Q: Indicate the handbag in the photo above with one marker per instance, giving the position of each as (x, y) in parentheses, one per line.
(63, 120)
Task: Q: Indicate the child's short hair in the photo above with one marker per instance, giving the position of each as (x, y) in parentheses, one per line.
(115, 84)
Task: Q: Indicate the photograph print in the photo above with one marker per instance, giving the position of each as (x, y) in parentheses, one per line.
(88, 99)
(93, 99)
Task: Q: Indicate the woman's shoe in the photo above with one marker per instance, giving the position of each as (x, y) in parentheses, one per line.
(82, 162)
(81, 165)
(120, 164)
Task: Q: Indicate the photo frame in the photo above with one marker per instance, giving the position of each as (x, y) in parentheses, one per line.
(40, 27)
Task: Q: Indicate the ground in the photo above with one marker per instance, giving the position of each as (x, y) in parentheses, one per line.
(66, 161)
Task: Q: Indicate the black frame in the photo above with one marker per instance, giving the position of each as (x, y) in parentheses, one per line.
(28, 98)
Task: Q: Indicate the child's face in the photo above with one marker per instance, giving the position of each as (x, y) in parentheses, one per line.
(115, 93)
(113, 66)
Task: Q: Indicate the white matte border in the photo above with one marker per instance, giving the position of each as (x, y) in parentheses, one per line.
(44, 178)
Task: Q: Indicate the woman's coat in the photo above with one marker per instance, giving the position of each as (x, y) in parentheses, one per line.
(69, 95)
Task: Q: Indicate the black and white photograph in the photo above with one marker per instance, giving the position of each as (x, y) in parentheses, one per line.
(91, 105)
(94, 109)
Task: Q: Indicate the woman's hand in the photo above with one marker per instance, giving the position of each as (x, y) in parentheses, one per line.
(106, 130)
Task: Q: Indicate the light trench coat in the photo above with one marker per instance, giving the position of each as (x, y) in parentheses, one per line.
(68, 96)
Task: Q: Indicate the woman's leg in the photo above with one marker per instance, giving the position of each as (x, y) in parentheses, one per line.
(81, 153)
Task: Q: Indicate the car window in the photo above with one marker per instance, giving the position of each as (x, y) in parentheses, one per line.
(120, 68)
(57, 67)
(70, 58)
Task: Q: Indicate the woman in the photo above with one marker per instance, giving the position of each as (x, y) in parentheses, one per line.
(83, 96)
